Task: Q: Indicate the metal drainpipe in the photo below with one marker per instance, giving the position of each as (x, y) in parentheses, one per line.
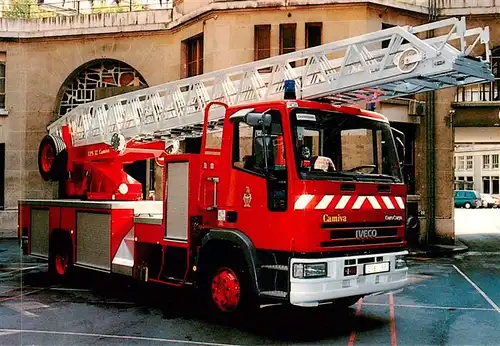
(430, 124)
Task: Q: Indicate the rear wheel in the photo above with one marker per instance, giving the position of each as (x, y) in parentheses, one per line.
(467, 205)
(61, 262)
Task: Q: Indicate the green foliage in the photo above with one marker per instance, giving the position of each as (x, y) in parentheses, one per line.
(26, 9)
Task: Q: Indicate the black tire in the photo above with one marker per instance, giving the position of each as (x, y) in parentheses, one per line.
(467, 205)
(248, 301)
(52, 158)
(61, 252)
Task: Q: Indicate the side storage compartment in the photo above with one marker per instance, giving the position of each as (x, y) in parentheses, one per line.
(40, 232)
(93, 239)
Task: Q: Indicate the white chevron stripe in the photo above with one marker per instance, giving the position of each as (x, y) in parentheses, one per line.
(400, 202)
(375, 204)
(359, 202)
(325, 201)
(388, 202)
(343, 202)
(303, 201)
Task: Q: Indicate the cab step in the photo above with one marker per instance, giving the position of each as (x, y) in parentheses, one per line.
(274, 294)
(281, 267)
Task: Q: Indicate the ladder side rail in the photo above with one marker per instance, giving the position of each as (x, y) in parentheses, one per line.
(260, 64)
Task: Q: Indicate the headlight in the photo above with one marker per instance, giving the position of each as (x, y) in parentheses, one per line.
(309, 270)
(400, 262)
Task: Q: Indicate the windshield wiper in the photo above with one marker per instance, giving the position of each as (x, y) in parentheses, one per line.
(378, 176)
(351, 176)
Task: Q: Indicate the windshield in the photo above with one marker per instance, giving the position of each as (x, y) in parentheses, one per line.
(335, 146)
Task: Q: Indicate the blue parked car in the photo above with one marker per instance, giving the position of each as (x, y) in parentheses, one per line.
(467, 199)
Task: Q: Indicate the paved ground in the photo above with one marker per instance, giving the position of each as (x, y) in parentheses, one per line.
(449, 301)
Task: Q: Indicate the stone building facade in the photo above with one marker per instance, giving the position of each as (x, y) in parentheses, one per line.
(53, 64)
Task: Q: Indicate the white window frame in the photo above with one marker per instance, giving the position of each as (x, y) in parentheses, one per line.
(470, 159)
(486, 161)
(461, 163)
(494, 161)
(2, 92)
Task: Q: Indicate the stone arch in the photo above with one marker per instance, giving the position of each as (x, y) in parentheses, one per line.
(85, 82)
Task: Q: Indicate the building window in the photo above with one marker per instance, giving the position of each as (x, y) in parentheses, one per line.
(287, 39)
(486, 161)
(313, 34)
(2, 85)
(2, 176)
(469, 162)
(486, 184)
(495, 189)
(461, 163)
(262, 42)
(194, 55)
(494, 161)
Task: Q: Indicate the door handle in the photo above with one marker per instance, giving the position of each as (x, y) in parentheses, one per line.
(214, 180)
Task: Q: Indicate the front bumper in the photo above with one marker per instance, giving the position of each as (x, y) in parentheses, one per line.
(313, 291)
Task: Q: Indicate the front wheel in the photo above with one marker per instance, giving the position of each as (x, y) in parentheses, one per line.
(229, 290)
(467, 205)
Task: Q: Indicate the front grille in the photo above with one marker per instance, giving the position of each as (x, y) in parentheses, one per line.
(348, 234)
(350, 242)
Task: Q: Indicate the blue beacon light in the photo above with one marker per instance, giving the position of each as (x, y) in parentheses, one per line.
(290, 90)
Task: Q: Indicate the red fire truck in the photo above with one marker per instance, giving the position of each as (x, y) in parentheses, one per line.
(292, 195)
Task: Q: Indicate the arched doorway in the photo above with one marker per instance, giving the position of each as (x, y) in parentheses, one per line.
(96, 80)
(90, 81)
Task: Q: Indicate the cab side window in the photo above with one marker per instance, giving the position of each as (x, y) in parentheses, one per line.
(251, 145)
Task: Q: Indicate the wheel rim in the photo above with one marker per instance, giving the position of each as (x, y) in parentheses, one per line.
(61, 264)
(47, 158)
(226, 290)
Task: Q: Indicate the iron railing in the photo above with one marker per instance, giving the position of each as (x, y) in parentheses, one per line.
(483, 92)
(32, 9)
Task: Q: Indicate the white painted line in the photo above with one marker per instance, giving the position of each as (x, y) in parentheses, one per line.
(431, 307)
(21, 269)
(8, 333)
(109, 336)
(29, 314)
(492, 303)
(48, 288)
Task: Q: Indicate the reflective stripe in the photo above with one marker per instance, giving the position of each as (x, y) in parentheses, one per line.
(325, 201)
(343, 202)
(374, 202)
(359, 202)
(388, 202)
(400, 202)
(303, 201)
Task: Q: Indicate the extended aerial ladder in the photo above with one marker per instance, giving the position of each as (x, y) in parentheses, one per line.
(353, 71)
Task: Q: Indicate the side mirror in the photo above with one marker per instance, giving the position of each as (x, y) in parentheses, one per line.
(258, 119)
(251, 118)
(399, 137)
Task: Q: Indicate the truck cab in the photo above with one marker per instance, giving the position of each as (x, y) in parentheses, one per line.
(317, 191)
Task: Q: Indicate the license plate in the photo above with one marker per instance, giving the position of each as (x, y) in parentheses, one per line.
(376, 268)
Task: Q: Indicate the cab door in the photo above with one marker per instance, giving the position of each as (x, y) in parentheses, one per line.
(259, 181)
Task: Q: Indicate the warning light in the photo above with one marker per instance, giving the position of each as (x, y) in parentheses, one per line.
(290, 90)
